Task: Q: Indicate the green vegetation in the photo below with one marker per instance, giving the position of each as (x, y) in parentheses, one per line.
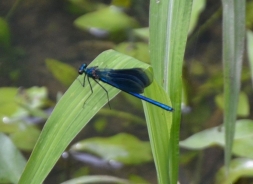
(195, 54)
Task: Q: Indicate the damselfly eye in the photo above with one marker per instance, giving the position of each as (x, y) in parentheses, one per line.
(80, 72)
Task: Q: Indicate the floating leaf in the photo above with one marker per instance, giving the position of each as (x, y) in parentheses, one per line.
(106, 21)
(12, 161)
(242, 146)
(238, 168)
(122, 147)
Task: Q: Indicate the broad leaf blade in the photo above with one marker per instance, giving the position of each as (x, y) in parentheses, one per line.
(70, 116)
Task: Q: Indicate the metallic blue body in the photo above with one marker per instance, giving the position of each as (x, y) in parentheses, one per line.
(132, 81)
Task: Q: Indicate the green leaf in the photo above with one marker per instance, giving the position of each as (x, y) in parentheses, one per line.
(106, 21)
(123, 147)
(159, 124)
(8, 109)
(97, 179)
(137, 50)
(142, 33)
(243, 109)
(240, 167)
(249, 15)
(8, 105)
(243, 104)
(71, 115)
(197, 7)
(61, 71)
(233, 45)
(17, 104)
(242, 145)
(122, 3)
(249, 50)
(31, 101)
(26, 138)
(137, 179)
(82, 6)
(124, 115)
(5, 40)
(11, 159)
(169, 24)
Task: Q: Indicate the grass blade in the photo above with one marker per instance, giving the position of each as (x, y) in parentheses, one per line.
(233, 45)
(169, 21)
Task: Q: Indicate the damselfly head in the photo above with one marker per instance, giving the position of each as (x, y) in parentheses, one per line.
(82, 69)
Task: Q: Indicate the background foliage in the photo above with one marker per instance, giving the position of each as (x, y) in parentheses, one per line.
(43, 44)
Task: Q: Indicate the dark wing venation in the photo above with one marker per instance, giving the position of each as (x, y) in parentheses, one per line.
(124, 84)
(136, 74)
(132, 80)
